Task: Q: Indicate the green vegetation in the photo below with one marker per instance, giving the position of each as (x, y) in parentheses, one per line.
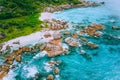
(20, 26)
(20, 17)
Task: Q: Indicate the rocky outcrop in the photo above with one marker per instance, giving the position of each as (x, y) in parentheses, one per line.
(57, 35)
(92, 45)
(52, 9)
(50, 77)
(43, 46)
(92, 30)
(56, 71)
(15, 55)
(55, 24)
(54, 62)
(18, 58)
(67, 33)
(58, 25)
(57, 8)
(47, 34)
(75, 35)
(53, 50)
(54, 47)
(4, 71)
(71, 41)
(53, 65)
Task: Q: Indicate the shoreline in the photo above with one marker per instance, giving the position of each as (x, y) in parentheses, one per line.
(26, 40)
(52, 42)
(31, 38)
(45, 15)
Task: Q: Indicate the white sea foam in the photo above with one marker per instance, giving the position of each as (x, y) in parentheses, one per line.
(48, 67)
(41, 54)
(10, 76)
(57, 77)
(65, 46)
(31, 71)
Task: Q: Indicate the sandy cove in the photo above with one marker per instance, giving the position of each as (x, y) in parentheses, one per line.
(50, 47)
(25, 40)
(34, 37)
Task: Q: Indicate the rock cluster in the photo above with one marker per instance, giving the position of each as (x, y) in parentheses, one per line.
(57, 8)
(75, 35)
(55, 24)
(15, 55)
(58, 25)
(57, 35)
(54, 62)
(92, 45)
(55, 69)
(47, 34)
(67, 33)
(71, 41)
(92, 30)
(52, 9)
(52, 49)
(50, 77)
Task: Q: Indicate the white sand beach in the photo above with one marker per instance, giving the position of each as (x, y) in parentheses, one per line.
(34, 37)
(45, 16)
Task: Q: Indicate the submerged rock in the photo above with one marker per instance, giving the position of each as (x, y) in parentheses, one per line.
(50, 77)
(56, 70)
(98, 33)
(92, 45)
(67, 33)
(18, 58)
(54, 62)
(116, 28)
(75, 35)
(43, 46)
(96, 26)
(9, 59)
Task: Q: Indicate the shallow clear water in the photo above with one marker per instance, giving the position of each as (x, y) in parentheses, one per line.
(100, 64)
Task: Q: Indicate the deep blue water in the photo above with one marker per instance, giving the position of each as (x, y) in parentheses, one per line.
(100, 64)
